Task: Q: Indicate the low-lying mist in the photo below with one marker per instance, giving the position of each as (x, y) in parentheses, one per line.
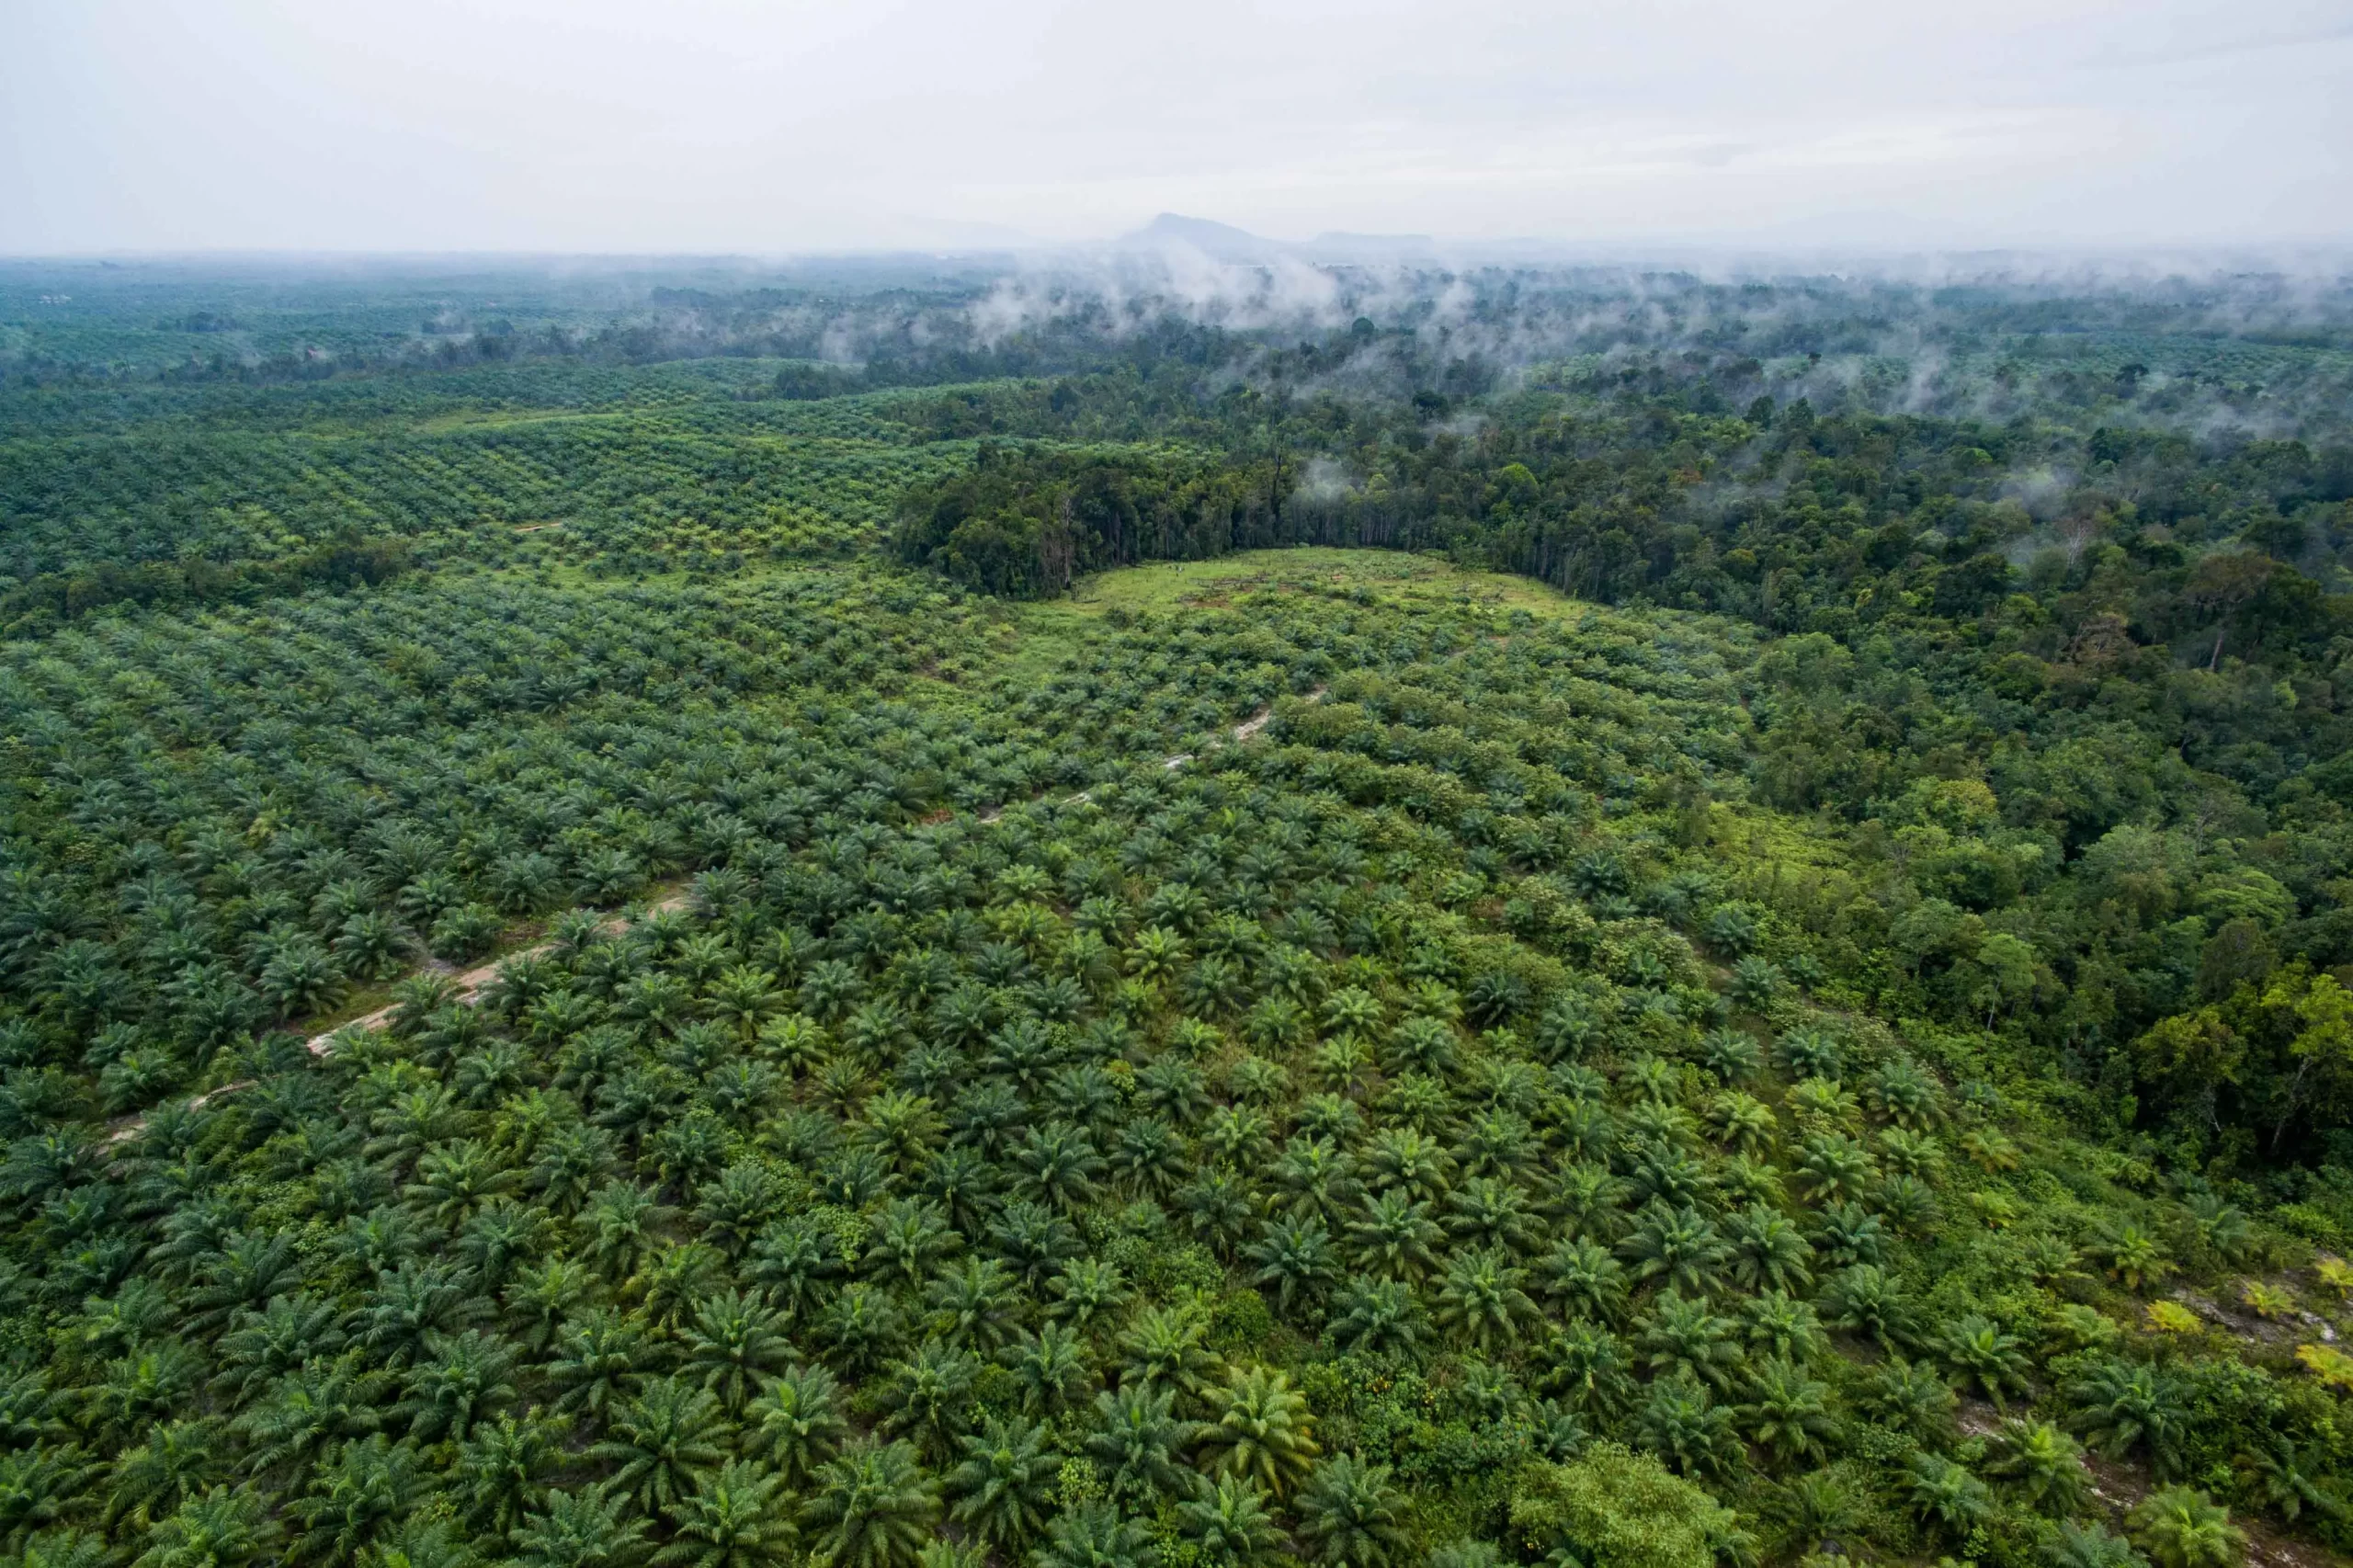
(2210, 346)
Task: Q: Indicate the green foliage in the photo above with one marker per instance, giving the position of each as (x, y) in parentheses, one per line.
(2182, 1528)
(1615, 1508)
(1348, 1513)
(1026, 525)
(1309, 1051)
(871, 1507)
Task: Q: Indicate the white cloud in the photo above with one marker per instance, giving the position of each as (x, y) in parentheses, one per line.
(779, 125)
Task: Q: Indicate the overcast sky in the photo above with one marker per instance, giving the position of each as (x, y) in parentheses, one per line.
(778, 126)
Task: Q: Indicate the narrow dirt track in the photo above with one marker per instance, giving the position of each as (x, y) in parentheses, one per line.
(473, 982)
(470, 987)
(1241, 732)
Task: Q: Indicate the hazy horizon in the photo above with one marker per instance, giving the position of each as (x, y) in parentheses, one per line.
(726, 127)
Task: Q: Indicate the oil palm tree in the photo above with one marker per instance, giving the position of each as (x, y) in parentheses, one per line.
(503, 1468)
(1682, 1424)
(221, 1528)
(286, 1332)
(600, 1360)
(872, 1508)
(1087, 1290)
(1767, 1251)
(1779, 1324)
(1586, 1366)
(2132, 1255)
(2090, 1546)
(735, 1517)
(1490, 1211)
(1051, 1368)
(2279, 1472)
(584, 1527)
(2120, 1407)
(797, 1423)
(1788, 1412)
(1379, 1317)
(1148, 1156)
(1394, 1237)
(1867, 1300)
(621, 1222)
(306, 1412)
(1742, 1121)
(1943, 1493)
(863, 1328)
(1163, 1349)
(1403, 1159)
(1481, 1301)
(1137, 1441)
(1258, 1430)
(1675, 1243)
(1833, 1166)
(1349, 1514)
(1910, 1397)
(663, 1442)
(734, 1345)
(2041, 1463)
(1004, 1489)
(1094, 1535)
(1819, 1512)
(363, 1489)
(1295, 1256)
(924, 1397)
(464, 1379)
(1582, 1277)
(2182, 1528)
(1316, 1178)
(1059, 1165)
(1682, 1336)
(1978, 1351)
(173, 1462)
(971, 1304)
(1229, 1523)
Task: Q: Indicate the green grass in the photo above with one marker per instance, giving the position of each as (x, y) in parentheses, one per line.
(1167, 586)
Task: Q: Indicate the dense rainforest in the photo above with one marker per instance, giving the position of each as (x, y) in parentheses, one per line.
(922, 915)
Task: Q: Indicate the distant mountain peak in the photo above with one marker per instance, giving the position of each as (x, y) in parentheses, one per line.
(1221, 240)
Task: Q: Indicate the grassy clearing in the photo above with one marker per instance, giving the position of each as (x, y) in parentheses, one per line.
(1044, 634)
(1170, 585)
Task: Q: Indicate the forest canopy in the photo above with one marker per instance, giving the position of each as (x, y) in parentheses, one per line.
(914, 918)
